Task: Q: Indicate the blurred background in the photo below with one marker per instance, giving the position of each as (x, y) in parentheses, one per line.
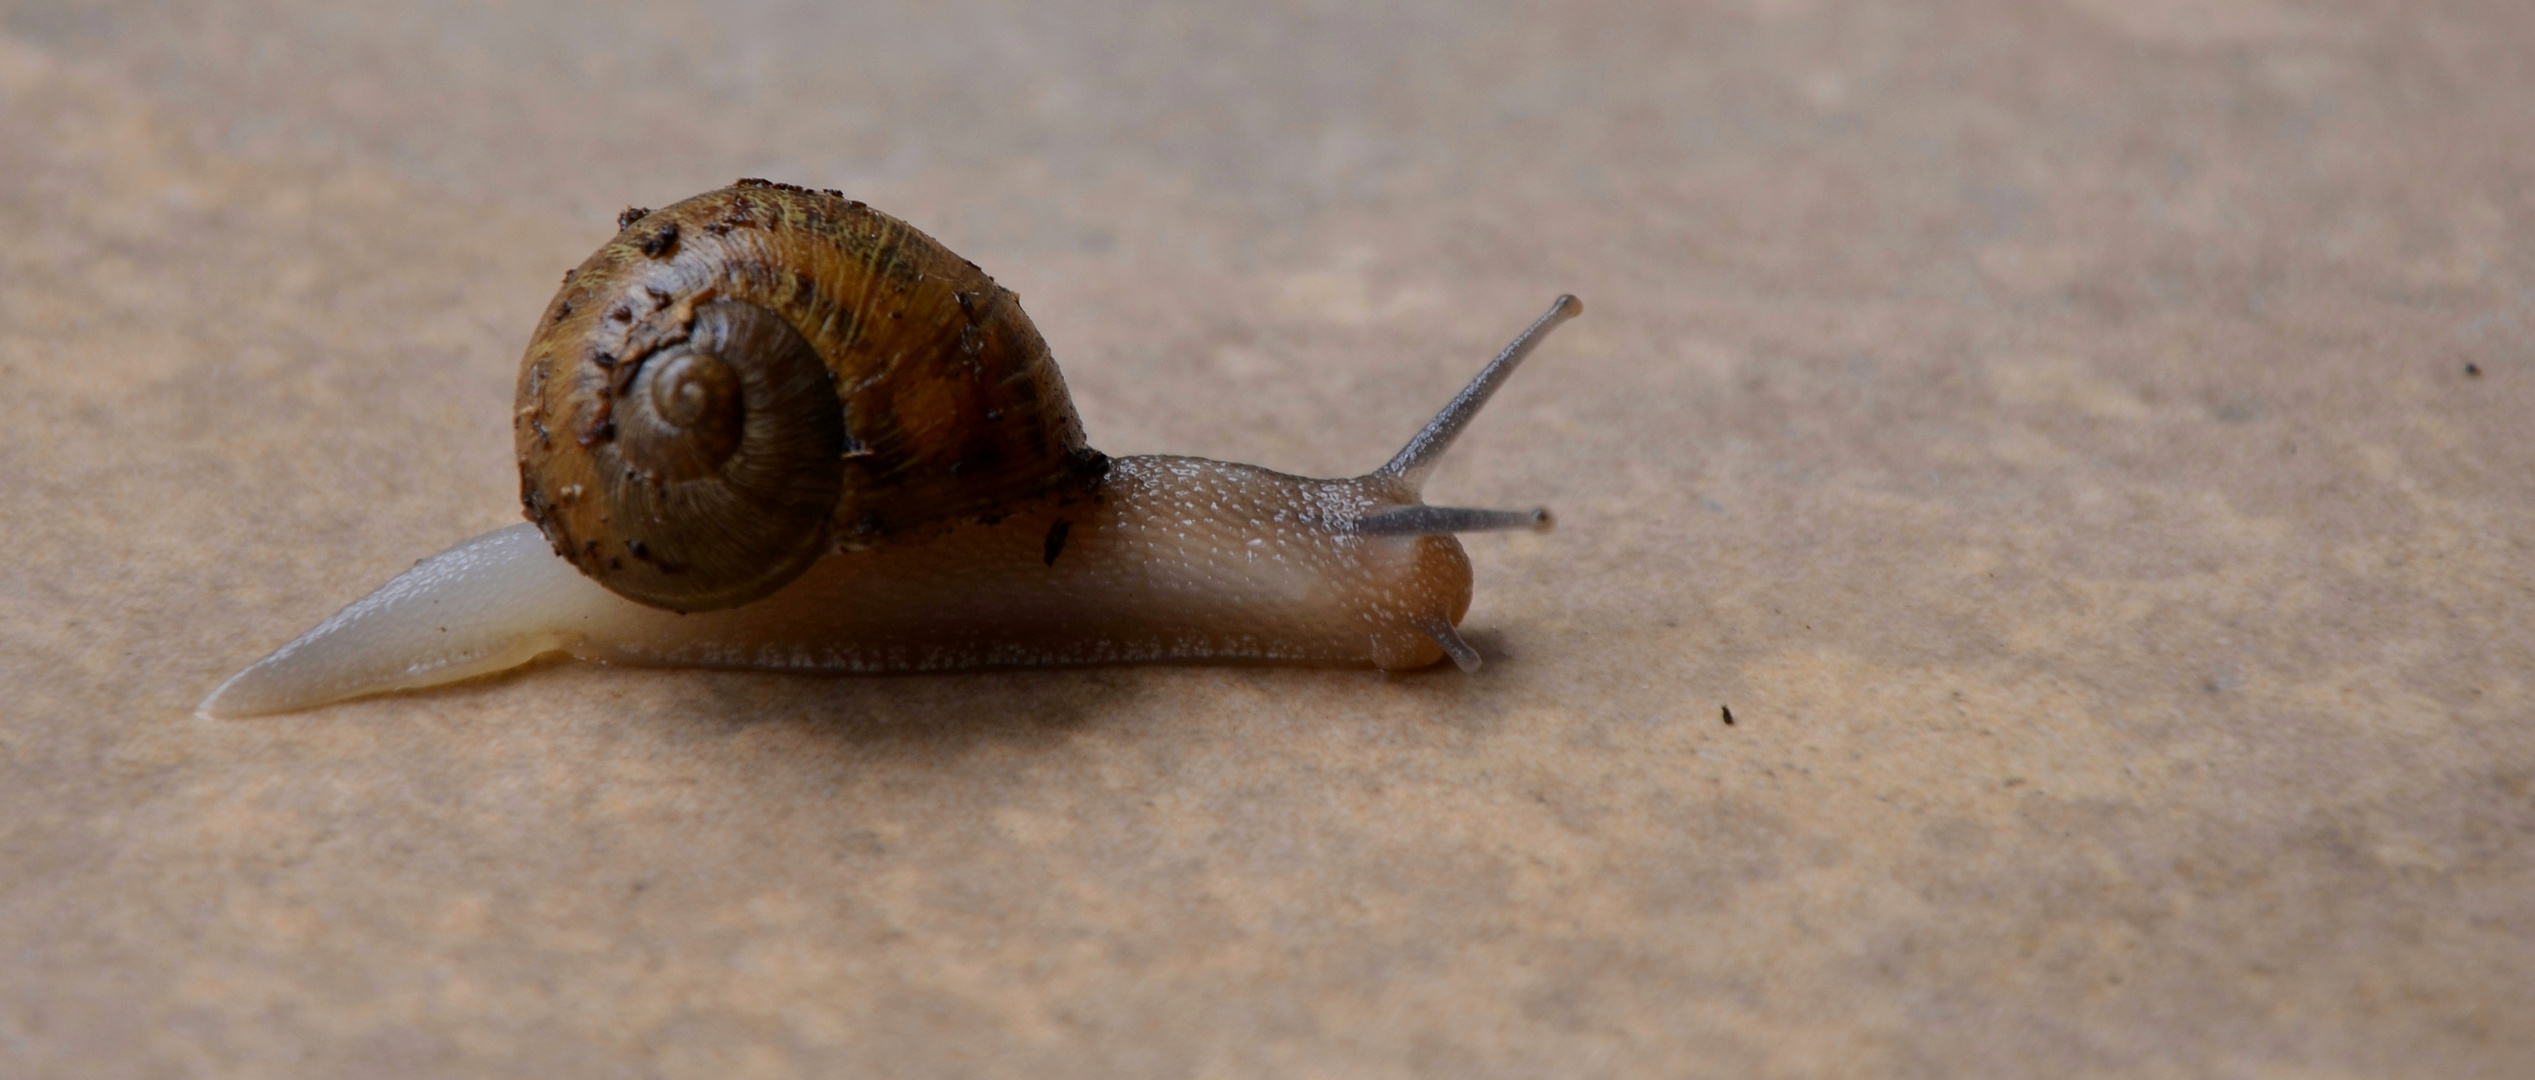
(2083, 441)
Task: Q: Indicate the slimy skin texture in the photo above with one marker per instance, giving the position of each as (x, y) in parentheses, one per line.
(1169, 559)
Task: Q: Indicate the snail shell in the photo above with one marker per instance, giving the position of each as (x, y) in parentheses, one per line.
(741, 383)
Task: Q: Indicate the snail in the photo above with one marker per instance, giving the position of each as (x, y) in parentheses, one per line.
(770, 427)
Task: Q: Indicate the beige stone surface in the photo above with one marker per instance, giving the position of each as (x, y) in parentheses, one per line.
(2052, 427)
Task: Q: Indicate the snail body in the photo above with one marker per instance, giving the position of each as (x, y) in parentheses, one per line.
(772, 428)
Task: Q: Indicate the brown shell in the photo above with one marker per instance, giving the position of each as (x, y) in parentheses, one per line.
(952, 409)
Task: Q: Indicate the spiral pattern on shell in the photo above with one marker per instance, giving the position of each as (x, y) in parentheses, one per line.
(746, 381)
(726, 461)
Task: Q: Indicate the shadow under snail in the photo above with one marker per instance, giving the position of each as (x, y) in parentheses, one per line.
(770, 427)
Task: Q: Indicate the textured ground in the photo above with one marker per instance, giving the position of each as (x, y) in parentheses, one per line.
(2086, 443)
